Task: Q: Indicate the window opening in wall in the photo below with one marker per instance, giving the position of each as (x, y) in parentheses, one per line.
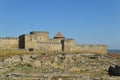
(30, 39)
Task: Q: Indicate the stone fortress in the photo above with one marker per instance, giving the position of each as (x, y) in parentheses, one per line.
(39, 40)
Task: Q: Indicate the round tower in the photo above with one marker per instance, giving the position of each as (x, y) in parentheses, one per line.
(41, 35)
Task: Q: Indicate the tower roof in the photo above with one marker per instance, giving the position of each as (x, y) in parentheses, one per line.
(59, 35)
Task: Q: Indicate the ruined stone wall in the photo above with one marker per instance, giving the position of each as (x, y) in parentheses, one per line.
(100, 49)
(9, 43)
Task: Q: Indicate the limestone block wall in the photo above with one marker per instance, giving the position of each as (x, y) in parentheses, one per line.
(55, 40)
(50, 46)
(102, 49)
(9, 43)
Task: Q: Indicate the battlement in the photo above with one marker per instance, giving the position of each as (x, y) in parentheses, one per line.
(38, 32)
(8, 38)
(91, 45)
(94, 48)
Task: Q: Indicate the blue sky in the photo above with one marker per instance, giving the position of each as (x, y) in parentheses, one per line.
(87, 21)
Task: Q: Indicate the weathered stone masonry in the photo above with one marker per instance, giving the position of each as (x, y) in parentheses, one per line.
(39, 40)
(8, 43)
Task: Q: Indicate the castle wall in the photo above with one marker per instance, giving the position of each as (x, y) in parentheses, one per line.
(38, 40)
(70, 46)
(102, 49)
(9, 43)
(50, 46)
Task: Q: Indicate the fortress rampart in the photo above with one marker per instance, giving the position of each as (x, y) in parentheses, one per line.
(39, 40)
(8, 43)
(91, 48)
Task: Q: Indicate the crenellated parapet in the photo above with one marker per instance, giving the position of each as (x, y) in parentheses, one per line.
(8, 38)
(94, 48)
(9, 43)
